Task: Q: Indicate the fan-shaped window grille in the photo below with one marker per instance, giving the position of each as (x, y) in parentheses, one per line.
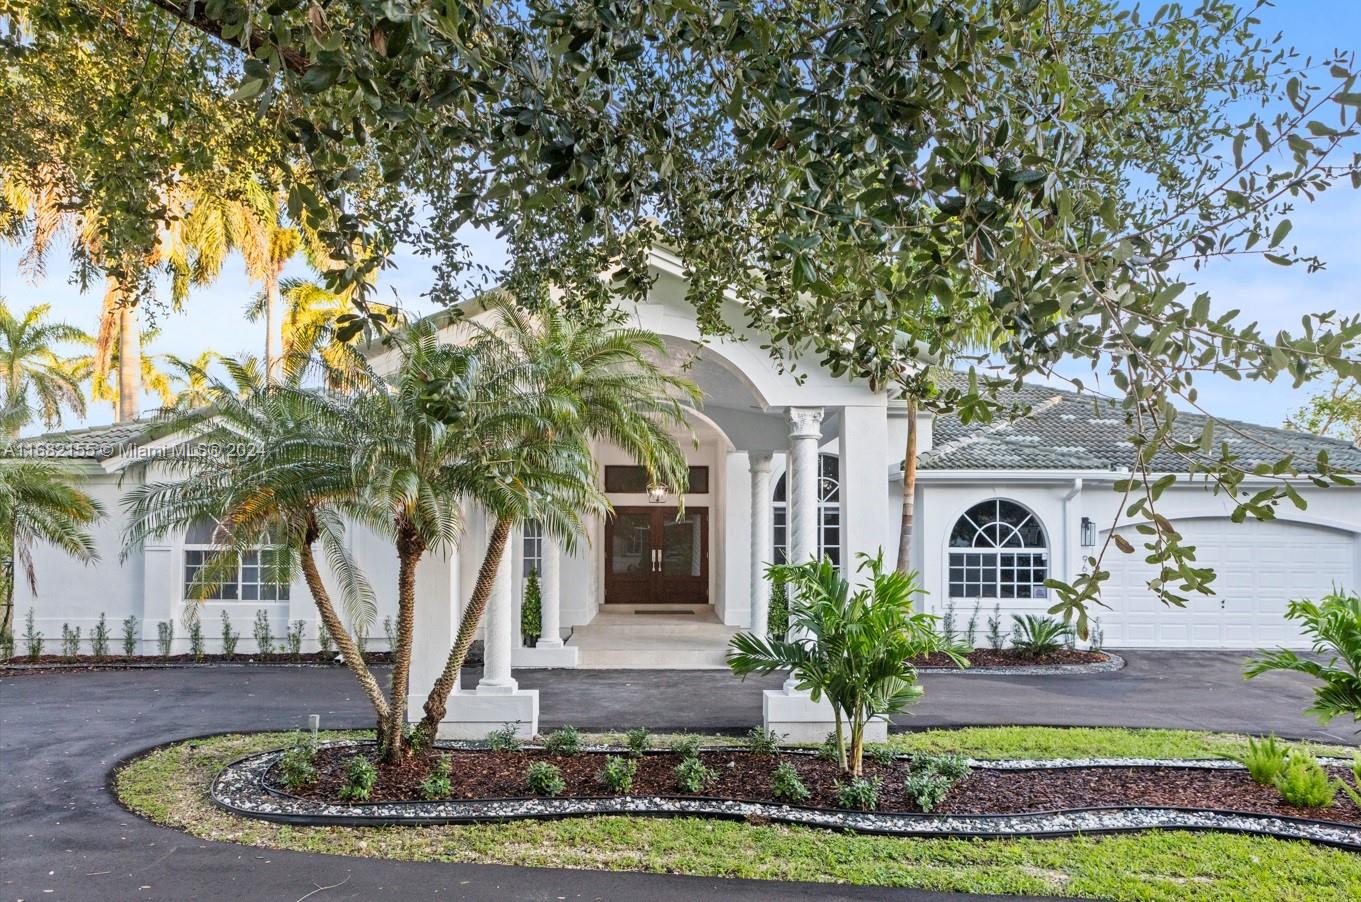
(998, 549)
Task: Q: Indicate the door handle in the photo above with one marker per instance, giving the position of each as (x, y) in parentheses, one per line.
(656, 560)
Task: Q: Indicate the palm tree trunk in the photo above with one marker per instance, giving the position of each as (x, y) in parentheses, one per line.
(909, 488)
(437, 702)
(349, 652)
(129, 364)
(274, 334)
(409, 550)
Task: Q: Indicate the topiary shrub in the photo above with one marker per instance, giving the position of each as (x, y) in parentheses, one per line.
(777, 617)
(531, 610)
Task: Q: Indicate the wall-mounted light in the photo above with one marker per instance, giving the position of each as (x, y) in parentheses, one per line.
(1088, 535)
(657, 493)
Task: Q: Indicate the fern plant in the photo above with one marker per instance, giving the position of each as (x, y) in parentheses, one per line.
(1304, 783)
(1333, 626)
(1264, 759)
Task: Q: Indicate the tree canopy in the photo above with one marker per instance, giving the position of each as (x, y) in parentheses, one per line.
(842, 170)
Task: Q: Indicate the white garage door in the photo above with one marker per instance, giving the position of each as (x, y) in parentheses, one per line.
(1259, 567)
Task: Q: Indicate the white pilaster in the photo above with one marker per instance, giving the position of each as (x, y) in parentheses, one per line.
(163, 590)
(496, 672)
(437, 615)
(761, 554)
(863, 447)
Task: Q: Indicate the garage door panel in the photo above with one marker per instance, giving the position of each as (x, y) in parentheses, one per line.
(1259, 568)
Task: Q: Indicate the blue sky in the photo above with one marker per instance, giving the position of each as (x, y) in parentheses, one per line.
(1274, 296)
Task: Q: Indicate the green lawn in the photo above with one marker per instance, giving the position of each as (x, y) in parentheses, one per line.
(169, 787)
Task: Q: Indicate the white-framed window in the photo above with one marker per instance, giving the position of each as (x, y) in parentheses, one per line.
(254, 579)
(998, 549)
(531, 548)
(829, 511)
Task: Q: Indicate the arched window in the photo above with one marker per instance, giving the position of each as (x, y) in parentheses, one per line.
(998, 550)
(256, 572)
(829, 511)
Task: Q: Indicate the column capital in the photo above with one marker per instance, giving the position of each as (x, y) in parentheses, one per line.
(804, 422)
(759, 461)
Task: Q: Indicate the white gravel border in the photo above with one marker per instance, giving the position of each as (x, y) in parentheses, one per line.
(240, 789)
(1115, 663)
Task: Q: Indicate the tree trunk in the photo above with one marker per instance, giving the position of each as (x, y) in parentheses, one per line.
(274, 335)
(409, 551)
(437, 702)
(909, 488)
(129, 364)
(348, 650)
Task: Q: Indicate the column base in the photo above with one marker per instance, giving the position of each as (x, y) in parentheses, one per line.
(800, 719)
(542, 655)
(472, 715)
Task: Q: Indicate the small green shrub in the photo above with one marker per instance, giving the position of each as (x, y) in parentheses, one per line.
(925, 789)
(686, 745)
(1304, 783)
(531, 610)
(165, 637)
(33, 640)
(1096, 636)
(437, 785)
(829, 750)
(1264, 759)
(546, 780)
(761, 741)
(295, 640)
(693, 775)
(881, 754)
(70, 642)
(1033, 636)
(298, 764)
(99, 638)
(637, 741)
(130, 635)
(859, 794)
(325, 644)
(264, 636)
(777, 616)
(229, 637)
(971, 631)
(786, 785)
(951, 767)
(996, 639)
(505, 739)
(197, 646)
(618, 773)
(947, 625)
(563, 741)
(360, 776)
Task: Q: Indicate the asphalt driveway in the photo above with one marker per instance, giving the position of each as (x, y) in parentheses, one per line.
(63, 836)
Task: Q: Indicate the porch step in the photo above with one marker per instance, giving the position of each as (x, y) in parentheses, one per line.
(683, 641)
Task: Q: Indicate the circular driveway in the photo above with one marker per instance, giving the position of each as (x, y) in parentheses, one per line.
(63, 836)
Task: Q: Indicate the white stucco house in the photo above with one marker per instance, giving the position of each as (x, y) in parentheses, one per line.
(781, 468)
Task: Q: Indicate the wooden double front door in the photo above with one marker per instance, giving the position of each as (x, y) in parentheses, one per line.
(657, 555)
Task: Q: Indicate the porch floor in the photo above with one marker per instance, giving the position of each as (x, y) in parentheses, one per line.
(666, 637)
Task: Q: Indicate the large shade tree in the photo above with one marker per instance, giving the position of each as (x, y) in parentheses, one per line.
(1070, 161)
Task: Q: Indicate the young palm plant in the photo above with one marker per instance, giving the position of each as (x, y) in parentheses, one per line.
(852, 645)
(575, 383)
(1334, 628)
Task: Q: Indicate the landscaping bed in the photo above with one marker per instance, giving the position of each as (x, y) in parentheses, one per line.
(1007, 657)
(51, 662)
(479, 774)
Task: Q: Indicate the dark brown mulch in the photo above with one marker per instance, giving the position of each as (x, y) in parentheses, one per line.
(986, 657)
(746, 777)
(88, 661)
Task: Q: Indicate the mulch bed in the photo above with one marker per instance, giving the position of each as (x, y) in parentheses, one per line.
(742, 776)
(379, 657)
(986, 657)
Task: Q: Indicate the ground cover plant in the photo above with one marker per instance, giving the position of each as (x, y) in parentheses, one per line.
(168, 786)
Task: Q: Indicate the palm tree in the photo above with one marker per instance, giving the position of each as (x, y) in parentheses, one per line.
(40, 502)
(291, 490)
(191, 386)
(579, 383)
(34, 375)
(852, 645)
(152, 375)
(310, 311)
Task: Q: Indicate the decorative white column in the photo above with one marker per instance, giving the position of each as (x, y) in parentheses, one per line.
(551, 594)
(761, 555)
(500, 638)
(805, 432)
